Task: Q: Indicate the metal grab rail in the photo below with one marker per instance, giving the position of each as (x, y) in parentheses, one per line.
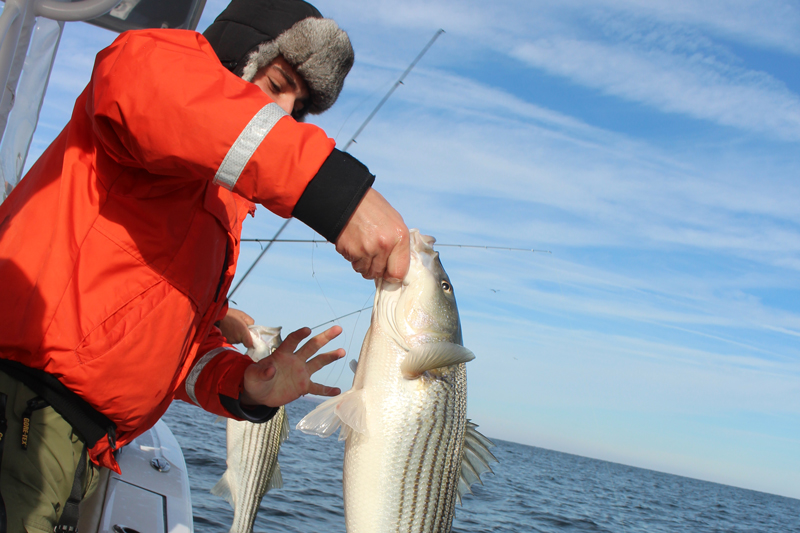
(17, 13)
(74, 11)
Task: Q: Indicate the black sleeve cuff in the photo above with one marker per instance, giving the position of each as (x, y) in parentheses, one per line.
(333, 194)
(257, 415)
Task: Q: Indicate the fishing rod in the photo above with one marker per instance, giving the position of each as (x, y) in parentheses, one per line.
(338, 317)
(274, 239)
(482, 246)
(397, 84)
(351, 141)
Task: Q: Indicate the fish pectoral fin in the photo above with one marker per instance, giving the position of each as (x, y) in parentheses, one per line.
(475, 459)
(421, 359)
(352, 411)
(347, 408)
(353, 365)
(322, 421)
(276, 481)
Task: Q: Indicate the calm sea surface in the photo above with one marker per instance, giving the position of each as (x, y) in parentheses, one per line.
(532, 489)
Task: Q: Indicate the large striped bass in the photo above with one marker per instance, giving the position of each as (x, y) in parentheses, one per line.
(253, 467)
(410, 451)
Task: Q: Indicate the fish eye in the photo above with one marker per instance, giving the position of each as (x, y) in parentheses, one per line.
(446, 287)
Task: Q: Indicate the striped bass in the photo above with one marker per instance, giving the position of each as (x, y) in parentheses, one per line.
(253, 467)
(410, 451)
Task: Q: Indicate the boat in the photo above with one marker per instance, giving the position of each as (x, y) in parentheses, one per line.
(152, 495)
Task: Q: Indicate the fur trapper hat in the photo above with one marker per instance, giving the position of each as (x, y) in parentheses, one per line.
(249, 34)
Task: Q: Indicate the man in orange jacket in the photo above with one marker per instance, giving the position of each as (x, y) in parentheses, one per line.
(118, 247)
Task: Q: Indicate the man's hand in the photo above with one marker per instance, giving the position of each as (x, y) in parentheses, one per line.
(285, 375)
(375, 240)
(234, 327)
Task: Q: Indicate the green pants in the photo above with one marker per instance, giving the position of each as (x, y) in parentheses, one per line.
(35, 483)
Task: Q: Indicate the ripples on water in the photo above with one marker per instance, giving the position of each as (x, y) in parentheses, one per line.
(532, 490)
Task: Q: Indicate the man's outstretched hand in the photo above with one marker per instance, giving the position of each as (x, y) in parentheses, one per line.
(285, 375)
(375, 240)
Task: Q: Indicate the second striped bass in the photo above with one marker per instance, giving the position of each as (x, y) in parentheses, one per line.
(252, 459)
(410, 451)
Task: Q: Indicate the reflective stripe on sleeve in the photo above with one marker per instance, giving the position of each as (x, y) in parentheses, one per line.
(247, 144)
(191, 379)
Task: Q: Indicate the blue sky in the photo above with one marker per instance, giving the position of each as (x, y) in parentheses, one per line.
(651, 146)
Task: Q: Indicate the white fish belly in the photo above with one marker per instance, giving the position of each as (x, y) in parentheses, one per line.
(403, 475)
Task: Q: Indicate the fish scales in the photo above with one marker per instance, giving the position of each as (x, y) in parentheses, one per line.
(404, 419)
(257, 458)
(440, 442)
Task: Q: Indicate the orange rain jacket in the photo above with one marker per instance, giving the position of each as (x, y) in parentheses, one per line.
(118, 247)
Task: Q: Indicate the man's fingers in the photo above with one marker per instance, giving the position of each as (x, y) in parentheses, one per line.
(363, 265)
(318, 341)
(399, 260)
(378, 267)
(324, 359)
(247, 339)
(322, 390)
(241, 315)
(293, 339)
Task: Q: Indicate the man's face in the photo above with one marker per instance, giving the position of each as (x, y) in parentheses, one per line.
(281, 82)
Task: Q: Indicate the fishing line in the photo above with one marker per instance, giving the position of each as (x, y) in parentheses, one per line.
(314, 275)
(319, 286)
(344, 316)
(353, 337)
(333, 312)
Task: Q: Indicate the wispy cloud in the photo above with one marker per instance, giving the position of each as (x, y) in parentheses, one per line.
(575, 184)
(673, 56)
(697, 85)
(768, 23)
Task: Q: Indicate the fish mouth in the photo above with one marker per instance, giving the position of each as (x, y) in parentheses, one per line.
(422, 246)
(388, 294)
(384, 310)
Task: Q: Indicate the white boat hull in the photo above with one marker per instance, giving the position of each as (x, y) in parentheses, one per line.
(143, 499)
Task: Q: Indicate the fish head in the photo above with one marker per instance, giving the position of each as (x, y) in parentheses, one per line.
(265, 341)
(422, 308)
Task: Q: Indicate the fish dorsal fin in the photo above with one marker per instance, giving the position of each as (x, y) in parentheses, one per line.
(223, 489)
(276, 481)
(421, 359)
(347, 409)
(475, 459)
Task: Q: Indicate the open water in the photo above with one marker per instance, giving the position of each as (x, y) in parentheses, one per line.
(531, 490)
